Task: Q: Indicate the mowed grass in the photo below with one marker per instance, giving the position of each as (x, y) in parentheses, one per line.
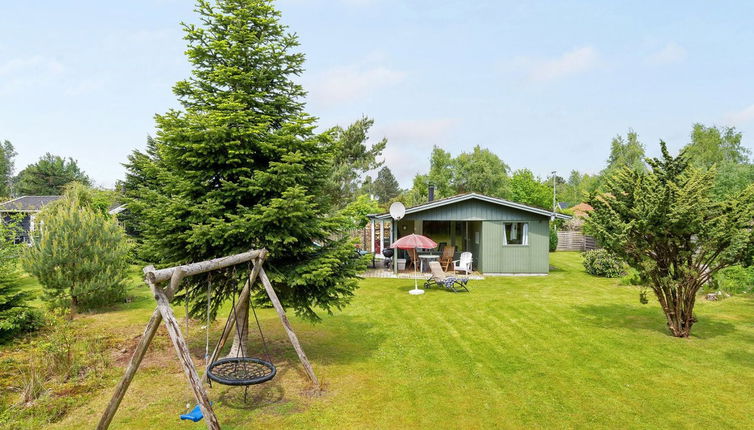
(566, 350)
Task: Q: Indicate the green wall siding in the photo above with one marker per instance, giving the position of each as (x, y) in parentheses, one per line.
(473, 210)
(490, 255)
(531, 258)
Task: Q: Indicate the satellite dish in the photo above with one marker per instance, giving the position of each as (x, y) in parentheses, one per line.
(397, 211)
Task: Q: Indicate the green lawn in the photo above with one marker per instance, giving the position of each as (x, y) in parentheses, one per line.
(566, 350)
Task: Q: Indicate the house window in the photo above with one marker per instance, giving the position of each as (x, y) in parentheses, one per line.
(515, 233)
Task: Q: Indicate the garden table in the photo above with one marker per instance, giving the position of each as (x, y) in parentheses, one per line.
(427, 258)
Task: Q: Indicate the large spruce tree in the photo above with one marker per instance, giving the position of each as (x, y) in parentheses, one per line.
(241, 167)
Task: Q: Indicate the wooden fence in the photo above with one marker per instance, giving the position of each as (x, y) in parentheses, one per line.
(575, 241)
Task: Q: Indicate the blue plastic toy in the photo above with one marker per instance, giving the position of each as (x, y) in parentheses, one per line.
(195, 414)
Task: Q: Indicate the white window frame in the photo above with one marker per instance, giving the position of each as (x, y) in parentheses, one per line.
(524, 233)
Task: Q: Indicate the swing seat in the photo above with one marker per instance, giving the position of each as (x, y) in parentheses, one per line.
(241, 371)
(195, 415)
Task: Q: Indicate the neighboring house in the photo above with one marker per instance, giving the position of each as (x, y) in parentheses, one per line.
(25, 208)
(503, 236)
(563, 205)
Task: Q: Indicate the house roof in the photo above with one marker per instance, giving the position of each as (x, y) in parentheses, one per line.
(563, 205)
(473, 196)
(27, 203)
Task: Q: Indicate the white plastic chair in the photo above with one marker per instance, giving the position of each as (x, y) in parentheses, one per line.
(464, 263)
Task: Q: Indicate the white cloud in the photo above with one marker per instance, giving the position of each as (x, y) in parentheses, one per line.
(30, 65)
(576, 61)
(18, 74)
(740, 117)
(348, 83)
(669, 54)
(410, 143)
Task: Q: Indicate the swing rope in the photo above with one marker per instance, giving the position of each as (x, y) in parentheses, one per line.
(242, 370)
(206, 341)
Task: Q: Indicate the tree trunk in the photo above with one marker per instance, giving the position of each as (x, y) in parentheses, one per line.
(241, 337)
(74, 305)
(678, 306)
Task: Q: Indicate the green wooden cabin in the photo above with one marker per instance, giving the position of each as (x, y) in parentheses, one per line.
(504, 237)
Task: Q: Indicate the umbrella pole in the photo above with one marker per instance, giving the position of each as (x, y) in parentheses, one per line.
(416, 291)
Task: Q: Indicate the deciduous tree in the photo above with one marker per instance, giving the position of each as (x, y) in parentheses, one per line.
(628, 152)
(527, 189)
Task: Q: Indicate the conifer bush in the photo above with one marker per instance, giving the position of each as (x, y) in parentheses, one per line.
(666, 224)
(79, 253)
(16, 316)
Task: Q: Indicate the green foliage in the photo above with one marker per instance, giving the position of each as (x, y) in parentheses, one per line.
(577, 188)
(240, 167)
(49, 176)
(732, 179)
(7, 155)
(628, 152)
(479, 171)
(527, 189)
(600, 262)
(721, 148)
(59, 367)
(553, 239)
(712, 146)
(733, 280)
(351, 158)
(79, 253)
(385, 187)
(667, 226)
(16, 316)
(356, 212)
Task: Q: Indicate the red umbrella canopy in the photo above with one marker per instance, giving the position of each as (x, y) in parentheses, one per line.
(414, 241)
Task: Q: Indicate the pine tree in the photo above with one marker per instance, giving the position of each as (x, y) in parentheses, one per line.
(79, 253)
(7, 163)
(385, 187)
(240, 166)
(666, 224)
(351, 159)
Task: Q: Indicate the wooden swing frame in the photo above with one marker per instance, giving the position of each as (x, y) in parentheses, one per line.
(163, 295)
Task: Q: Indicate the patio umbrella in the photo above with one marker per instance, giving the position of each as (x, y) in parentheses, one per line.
(414, 241)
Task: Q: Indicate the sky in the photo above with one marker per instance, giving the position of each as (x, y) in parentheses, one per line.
(545, 85)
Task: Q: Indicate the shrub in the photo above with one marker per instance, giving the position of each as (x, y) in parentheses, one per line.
(600, 262)
(733, 280)
(80, 254)
(553, 240)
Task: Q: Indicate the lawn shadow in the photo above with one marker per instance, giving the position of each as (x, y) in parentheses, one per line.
(621, 316)
(740, 357)
(257, 397)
